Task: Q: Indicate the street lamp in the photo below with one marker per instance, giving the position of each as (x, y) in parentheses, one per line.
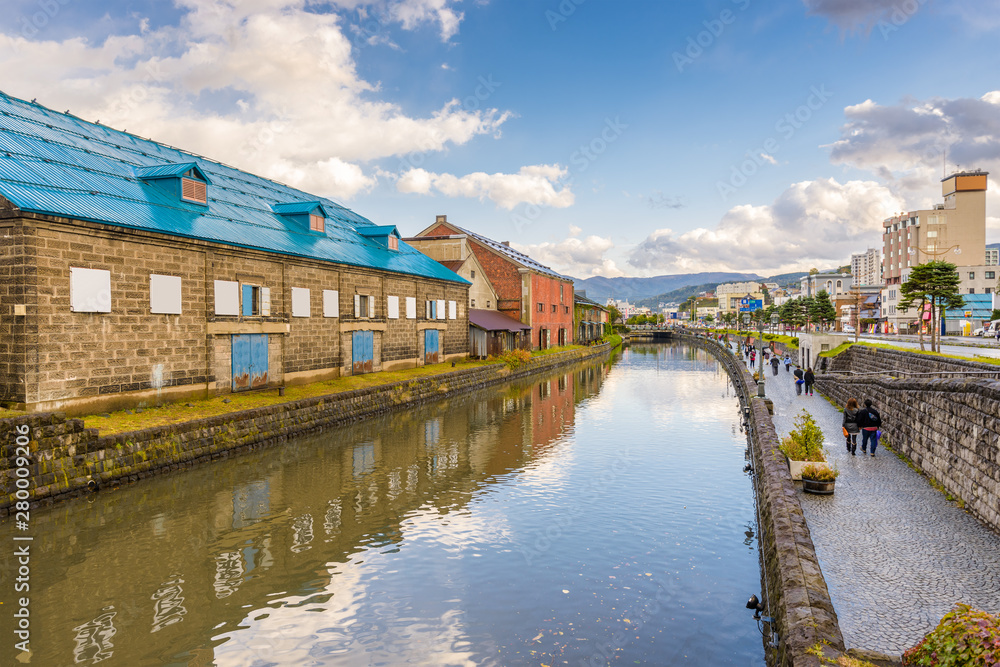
(774, 322)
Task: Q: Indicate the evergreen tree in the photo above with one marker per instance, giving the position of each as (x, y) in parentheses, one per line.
(935, 283)
(822, 309)
(805, 306)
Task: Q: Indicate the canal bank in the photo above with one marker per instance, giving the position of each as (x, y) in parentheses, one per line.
(795, 596)
(64, 458)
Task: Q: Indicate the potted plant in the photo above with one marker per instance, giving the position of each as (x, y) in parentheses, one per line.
(803, 445)
(819, 478)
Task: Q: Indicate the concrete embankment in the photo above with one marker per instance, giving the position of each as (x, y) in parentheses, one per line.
(60, 457)
(797, 597)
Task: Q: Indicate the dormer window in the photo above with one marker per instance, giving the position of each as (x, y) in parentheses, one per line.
(185, 181)
(193, 188)
(385, 235)
(305, 215)
(317, 222)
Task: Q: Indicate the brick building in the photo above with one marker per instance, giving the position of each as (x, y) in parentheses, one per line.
(131, 271)
(526, 290)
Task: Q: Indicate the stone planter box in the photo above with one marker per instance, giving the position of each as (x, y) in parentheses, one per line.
(795, 467)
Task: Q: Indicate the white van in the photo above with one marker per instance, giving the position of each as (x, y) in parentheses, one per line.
(990, 329)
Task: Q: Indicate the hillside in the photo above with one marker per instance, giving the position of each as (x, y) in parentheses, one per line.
(690, 288)
(600, 288)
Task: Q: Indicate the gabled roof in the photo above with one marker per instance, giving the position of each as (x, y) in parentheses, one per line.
(578, 298)
(452, 264)
(169, 171)
(507, 251)
(56, 164)
(300, 208)
(379, 230)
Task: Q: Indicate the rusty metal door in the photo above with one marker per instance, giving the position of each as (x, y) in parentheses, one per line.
(431, 340)
(362, 352)
(249, 361)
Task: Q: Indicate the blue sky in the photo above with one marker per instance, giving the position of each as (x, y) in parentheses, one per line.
(604, 138)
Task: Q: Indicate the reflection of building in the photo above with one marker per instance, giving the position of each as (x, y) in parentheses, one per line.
(526, 290)
(954, 231)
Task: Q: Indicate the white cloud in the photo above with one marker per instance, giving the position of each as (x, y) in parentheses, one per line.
(812, 223)
(219, 84)
(575, 256)
(904, 145)
(535, 184)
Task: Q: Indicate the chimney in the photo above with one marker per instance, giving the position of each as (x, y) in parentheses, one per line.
(441, 218)
(506, 243)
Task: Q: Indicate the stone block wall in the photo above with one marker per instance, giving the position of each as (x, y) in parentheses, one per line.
(863, 359)
(948, 427)
(18, 333)
(66, 458)
(797, 596)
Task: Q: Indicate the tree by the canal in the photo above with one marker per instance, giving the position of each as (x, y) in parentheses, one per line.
(937, 284)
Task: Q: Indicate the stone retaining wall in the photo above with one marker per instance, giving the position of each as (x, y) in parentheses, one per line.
(66, 458)
(797, 596)
(948, 427)
(864, 359)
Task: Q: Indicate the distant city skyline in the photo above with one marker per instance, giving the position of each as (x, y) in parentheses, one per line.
(601, 138)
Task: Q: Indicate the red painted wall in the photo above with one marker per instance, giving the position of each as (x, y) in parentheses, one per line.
(545, 290)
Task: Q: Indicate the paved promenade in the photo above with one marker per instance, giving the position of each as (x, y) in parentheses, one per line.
(895, 553)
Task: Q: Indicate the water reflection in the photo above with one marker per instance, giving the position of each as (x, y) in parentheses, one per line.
(567, 519)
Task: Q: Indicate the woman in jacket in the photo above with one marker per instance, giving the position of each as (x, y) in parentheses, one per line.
(851, 428)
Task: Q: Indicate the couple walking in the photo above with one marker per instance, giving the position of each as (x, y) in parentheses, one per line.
(866, 421)
(804, 381)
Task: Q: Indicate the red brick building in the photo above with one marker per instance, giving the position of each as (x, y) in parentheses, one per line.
(526, 290)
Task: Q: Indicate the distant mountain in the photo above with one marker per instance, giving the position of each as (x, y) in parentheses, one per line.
(600, 288)
(787, 279)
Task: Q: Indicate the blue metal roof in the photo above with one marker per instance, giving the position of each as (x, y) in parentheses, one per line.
(57, 164)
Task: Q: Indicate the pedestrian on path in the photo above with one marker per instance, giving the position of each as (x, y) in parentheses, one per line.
(809, 379)
(775, 362)
(788, 362)
(753, 358)
(799, 381)
(870, 423)
(851, 428)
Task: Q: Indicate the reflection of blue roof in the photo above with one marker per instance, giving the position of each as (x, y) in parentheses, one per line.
(57, 164)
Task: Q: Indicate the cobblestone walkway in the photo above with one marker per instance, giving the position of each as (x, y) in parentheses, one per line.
(895, 553)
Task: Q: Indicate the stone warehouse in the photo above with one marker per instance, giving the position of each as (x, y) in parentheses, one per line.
(526, 290)
(131, 272)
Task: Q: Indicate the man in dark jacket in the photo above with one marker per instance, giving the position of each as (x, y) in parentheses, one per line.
(798, 381)
(870, 421)
(810, 379)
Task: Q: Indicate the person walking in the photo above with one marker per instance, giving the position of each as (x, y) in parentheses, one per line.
(809, 379)
(788, 362)
(775, 362)
(753, 358)
(799, 381)
(870, 423)
(851, 428)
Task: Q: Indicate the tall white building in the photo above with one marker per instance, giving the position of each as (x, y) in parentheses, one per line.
(866, 267)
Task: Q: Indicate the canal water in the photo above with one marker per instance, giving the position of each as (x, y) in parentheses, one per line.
(598, 515)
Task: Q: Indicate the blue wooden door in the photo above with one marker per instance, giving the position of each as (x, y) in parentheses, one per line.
(249, 361)
(362, 352)
(431, 341)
